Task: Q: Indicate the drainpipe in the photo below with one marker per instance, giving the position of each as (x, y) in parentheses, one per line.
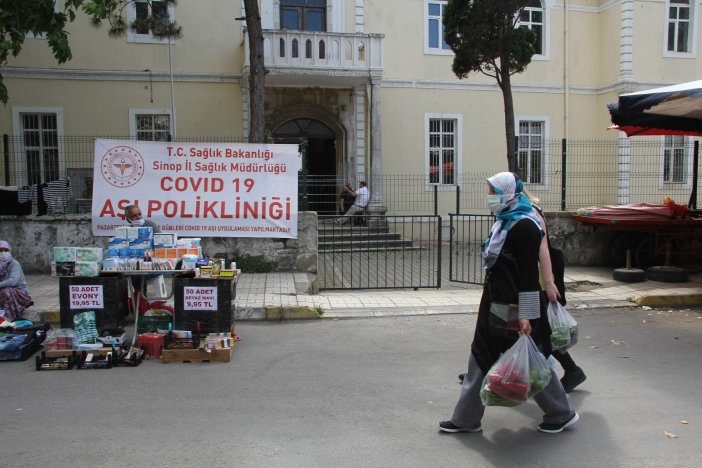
(170, 72)
(566, 78)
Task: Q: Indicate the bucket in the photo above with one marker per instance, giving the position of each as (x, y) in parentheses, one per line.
(152, 344)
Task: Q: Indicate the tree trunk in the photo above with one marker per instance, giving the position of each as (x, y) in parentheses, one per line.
(257, 72)
(506, 86)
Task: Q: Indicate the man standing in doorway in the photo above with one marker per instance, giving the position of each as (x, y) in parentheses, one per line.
(360, 203)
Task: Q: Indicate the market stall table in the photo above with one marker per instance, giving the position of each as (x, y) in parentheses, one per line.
(651, 238)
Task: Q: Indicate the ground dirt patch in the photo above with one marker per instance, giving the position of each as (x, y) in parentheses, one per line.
(581, 286)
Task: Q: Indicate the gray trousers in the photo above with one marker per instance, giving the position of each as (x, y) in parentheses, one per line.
(470, 409)
(352, 211)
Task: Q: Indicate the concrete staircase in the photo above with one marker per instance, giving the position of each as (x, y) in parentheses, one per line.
(347, 238)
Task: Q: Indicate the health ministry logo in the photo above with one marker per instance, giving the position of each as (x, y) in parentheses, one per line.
(122, 166)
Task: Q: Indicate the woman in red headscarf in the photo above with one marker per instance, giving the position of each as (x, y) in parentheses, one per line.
(14, 295)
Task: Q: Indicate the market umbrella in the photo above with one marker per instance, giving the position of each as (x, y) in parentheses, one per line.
(670, 110)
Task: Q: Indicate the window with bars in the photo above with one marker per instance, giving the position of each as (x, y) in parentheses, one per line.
(674, 159)
(435, 43)
(40, 142)
(532, 17)
(679, 26)
(530, 155)
(153, 127)
(303, 15)
(442, 151)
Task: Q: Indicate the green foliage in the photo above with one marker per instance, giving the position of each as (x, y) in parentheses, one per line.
(254, 263)
(485, 38)
(21, 17)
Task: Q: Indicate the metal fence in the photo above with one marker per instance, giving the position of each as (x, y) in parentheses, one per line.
(380, 252)
(467, 234)
(565, 175)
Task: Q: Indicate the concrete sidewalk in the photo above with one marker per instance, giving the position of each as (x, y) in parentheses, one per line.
(274, 296)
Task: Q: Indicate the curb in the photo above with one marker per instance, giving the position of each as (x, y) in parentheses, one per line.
(686, 300)
(290, 313)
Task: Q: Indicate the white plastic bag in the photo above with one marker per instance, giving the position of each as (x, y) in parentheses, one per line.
(564, 328)
(520, 372)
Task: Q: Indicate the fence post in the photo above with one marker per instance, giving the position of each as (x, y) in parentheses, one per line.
(438, 255)
(6, 157)
(692, 203)
(458, 199)
(436, 200)
(564, 159)
(305, 195)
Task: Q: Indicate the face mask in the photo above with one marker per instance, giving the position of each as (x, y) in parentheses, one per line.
(5, 256)
(494, 203)
(137, 222)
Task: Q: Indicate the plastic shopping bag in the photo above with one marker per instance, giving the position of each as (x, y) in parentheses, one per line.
(539, 369)
(564, 328)
(521, 372)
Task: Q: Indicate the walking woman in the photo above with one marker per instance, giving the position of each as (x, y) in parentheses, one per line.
(511, 256)
(14, 295)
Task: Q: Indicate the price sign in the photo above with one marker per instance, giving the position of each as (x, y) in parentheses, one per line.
(200, 298)
(86, 297)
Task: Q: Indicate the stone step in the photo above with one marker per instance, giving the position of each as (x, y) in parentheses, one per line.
(347, 237)
(358, 244)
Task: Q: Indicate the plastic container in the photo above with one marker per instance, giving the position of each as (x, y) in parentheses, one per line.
(152, 343)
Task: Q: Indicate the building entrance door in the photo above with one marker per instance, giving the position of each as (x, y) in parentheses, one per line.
(320, 162)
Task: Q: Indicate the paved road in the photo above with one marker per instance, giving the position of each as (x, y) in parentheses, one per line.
(354, 393)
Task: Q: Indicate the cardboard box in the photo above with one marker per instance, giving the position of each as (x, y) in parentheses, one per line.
(196, 355)
(87, 269)
(165, 240)
(88, 254)
(64, 254)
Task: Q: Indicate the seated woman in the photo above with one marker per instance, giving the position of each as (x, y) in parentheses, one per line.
(14, 295)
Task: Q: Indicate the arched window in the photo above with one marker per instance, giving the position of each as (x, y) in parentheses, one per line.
(322, 49)
(295, 49)
(308, 49)
(282, 47)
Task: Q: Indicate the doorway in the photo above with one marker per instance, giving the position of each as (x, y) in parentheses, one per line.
(320, 163)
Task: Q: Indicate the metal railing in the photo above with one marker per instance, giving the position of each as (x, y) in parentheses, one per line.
(381, 252)
(571, 175)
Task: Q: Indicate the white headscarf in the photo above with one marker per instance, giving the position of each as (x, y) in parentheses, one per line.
(517, 206)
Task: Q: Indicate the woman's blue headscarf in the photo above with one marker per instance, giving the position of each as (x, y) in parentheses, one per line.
(517, 206)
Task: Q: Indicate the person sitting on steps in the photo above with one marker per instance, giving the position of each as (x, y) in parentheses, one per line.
(359, 205)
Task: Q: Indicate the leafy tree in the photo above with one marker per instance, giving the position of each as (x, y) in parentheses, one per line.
(21, 17)
(486, 38)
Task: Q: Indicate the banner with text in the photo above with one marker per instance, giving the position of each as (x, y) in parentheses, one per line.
(198, 189)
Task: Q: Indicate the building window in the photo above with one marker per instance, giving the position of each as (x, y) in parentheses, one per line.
(40, 143)
(434, 35)
(303, 15)
(147, 16)
(150, 124)
(532, 17)
(679, 26)
(530, 156)
(674, 159)
(443, 149)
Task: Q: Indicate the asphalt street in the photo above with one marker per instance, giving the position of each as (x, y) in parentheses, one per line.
(362, 393)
